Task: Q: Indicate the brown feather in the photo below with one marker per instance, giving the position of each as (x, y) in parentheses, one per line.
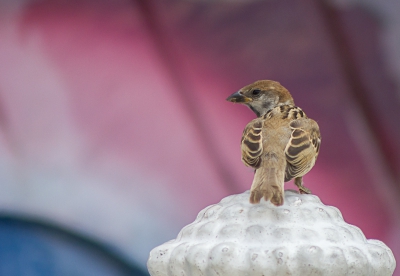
(303, 147)
(252, 144)
(281, 144)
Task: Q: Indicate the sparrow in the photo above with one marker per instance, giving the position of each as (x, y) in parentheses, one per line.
(281, 144)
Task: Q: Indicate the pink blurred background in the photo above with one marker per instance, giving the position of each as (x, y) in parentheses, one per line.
(113, 119)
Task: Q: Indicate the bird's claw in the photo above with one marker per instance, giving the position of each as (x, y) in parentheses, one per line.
(304, 190)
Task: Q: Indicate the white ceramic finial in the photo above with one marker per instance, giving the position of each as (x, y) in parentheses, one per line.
(301, 237)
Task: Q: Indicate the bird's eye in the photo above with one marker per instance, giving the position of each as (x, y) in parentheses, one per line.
(256, 92)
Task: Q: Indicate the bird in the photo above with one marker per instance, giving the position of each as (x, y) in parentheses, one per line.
(281, 144)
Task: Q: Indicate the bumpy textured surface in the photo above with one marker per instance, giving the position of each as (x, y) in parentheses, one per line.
(302, 237)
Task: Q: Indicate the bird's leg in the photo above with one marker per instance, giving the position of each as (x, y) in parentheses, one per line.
(298, 181)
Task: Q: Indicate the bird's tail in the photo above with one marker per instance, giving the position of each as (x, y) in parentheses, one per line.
(268, 183)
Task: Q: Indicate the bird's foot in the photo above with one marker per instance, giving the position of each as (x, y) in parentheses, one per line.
(304, 190)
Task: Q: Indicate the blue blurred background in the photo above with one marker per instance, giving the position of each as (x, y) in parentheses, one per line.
(115, 132)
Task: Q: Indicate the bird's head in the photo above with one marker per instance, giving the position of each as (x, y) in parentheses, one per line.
(262, 96)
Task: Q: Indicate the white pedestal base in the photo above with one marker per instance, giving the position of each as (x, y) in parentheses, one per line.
(302, 237)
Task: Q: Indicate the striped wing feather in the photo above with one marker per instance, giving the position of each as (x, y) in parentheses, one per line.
(252, 143)
(303, 147)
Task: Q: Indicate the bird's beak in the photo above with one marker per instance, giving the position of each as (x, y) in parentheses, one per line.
(238, 97)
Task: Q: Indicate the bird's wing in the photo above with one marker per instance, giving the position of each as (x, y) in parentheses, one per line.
(252, 143)
(303, 147)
